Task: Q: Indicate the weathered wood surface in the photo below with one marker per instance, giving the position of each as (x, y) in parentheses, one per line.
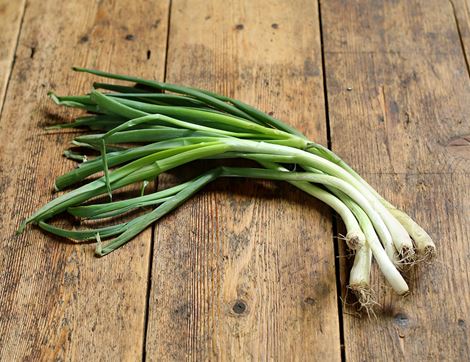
(57, 301)
(399, 97)
(247, 274)
(11, 13)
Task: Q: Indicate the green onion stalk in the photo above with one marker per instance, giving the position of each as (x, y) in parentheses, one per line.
(147, 128)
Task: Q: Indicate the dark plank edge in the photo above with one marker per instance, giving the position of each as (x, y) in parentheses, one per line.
(338, 247)
(154, 225)
(14, 47)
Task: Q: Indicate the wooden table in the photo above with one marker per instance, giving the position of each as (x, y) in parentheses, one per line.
(246, 270)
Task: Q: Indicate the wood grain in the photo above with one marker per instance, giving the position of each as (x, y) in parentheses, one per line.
(11, 13)
(57, 301)
(398, 94)
(245, 270)
(408, 97)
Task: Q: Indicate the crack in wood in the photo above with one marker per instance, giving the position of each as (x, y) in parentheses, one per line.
(459, 31)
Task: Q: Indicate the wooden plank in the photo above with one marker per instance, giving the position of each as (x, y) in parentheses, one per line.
(408, 86)
(398, 91)
(245, 270)
(11, 13)
(57, 301)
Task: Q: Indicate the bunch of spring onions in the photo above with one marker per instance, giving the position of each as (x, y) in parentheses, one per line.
(146, 128)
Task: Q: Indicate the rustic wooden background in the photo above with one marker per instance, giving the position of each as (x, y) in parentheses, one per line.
(240, 273)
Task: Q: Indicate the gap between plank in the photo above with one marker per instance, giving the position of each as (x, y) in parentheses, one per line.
(149, 285)
(13, 61)
(333, 218)
(154, 225)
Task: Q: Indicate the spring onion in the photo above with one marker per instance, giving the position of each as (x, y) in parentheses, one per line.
(146, 128)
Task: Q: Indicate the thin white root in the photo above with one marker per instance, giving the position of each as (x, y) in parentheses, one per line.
(422, 256)
(352, 242)
(355, 240)
(408, 257)
(365, 297)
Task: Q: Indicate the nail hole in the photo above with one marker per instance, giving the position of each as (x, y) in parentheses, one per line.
(239, 307)
(275, 26)
(401, 319)
(239, 27)
(309, 300)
